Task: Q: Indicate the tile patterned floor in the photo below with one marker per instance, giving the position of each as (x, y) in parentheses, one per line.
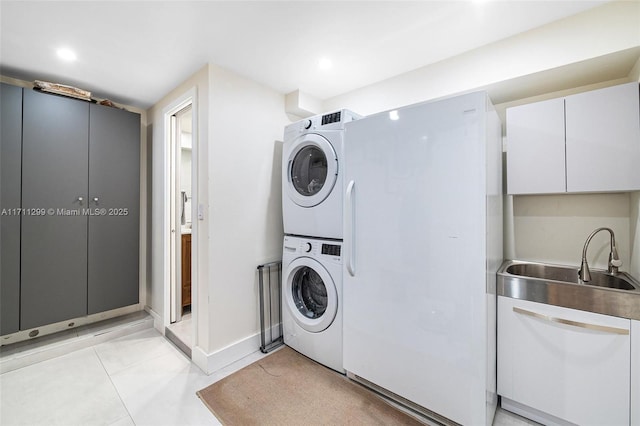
(183, 330)
(138, 379)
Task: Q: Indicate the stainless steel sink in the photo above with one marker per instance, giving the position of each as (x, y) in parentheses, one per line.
(620, 281)
(544, 272)
(617, 295)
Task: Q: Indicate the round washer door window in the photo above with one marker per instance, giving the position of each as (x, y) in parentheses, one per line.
(312, 170)
(311, 295)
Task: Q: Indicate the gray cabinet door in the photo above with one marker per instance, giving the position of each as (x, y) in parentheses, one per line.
(10, 172)
(54, 190)
(114, 194)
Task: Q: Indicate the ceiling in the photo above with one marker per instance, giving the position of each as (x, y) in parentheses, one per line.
(135, 52)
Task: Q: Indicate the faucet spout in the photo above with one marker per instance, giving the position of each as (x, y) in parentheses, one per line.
(614, 259)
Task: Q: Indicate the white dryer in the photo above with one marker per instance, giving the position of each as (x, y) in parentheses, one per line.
(312, 169)
(311, 299)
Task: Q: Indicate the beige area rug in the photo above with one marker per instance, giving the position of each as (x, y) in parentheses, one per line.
(287, 388)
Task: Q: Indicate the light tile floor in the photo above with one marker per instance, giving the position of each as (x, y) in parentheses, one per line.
(184, 329)
(138, 379)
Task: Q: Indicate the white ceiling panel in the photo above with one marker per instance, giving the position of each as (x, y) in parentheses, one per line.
(134, 52)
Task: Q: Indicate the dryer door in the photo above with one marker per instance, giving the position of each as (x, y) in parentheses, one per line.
(310, 294)
(312, 170)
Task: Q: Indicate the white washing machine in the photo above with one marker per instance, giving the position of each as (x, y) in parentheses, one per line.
(311, 299)
(312, 169)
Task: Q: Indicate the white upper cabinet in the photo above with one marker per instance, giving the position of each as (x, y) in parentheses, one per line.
(535, 148)
(603, 140)
(589, 142)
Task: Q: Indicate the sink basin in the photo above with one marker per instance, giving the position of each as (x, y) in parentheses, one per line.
(619, 282)
(617, 295)
(542, 271)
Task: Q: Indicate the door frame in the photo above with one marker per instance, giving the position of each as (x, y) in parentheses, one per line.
(181, 102)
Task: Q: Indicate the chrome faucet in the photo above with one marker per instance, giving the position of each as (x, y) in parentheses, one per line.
(614, 259)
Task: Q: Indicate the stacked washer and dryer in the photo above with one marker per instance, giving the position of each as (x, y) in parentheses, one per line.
(312, 199)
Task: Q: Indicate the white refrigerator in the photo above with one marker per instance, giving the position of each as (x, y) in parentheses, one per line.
(422, 244)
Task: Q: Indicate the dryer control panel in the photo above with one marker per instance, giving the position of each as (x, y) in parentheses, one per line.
(331, 249)
(334, 117)
(330, 121)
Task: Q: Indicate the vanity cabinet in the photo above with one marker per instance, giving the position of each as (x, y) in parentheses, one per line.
(10, 175)
(186, 270)
(79, 239)
(557, 363)
(588, 142)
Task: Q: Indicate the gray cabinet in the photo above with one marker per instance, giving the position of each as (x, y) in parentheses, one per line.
(54, 186)
(80, 185)
(114, 185)
(10, 157)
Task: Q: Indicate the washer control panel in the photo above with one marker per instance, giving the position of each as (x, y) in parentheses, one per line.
(313, 248)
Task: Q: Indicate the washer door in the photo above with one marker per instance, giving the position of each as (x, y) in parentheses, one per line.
(312, 170)
(310, 294)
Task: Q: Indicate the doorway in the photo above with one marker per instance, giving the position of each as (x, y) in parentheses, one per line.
(179, 326)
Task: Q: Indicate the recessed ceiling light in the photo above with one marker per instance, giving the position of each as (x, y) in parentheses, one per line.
(325, 63)
(66, 54)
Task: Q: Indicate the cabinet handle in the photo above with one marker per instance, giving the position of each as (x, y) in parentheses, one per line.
(95, 200)
(597, 327)
(80, 200)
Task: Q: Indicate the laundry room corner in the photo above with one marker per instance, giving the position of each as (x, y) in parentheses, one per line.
(245, 122)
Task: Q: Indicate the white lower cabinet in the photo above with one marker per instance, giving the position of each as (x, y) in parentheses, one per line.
(558, 365)
(635, 373)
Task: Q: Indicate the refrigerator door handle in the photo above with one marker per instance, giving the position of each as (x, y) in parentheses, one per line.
(349, 231)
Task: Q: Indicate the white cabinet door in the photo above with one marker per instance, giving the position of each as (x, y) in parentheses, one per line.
(603, 140)
(535, 148)
(635, 373)
(548, 361)
(589, 142)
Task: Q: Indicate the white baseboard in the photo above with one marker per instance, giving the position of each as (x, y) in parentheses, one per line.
(212, 362)
(70, 324)
(532, 413)
(157, 320)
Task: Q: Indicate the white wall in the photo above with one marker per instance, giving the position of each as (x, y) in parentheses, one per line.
(239, 129)
(544, 228)
(597, 32)
(553, 228)
(246, 123)
(200, 82)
